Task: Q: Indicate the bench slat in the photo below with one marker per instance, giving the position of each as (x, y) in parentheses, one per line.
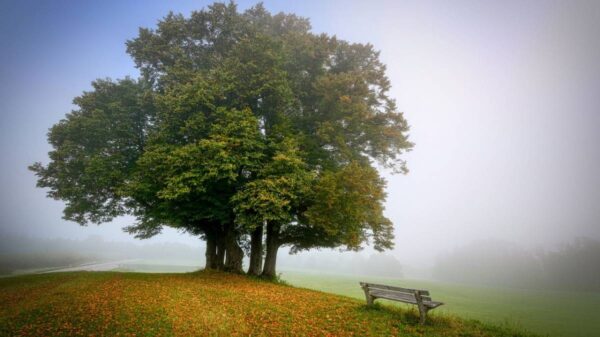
(391, 292)
(404, 298)
(394, 295)
(397, 298)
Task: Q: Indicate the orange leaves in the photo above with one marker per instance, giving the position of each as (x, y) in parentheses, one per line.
(201, 304)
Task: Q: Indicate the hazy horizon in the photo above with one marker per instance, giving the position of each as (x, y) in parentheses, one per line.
(502, 99)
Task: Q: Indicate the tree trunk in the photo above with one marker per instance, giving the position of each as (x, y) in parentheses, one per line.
(256, 251)
(233, 253)
(273, 243)
(211, 252)
(220, 256)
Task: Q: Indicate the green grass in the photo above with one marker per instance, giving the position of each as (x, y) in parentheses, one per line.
(564, 314)
(203, 304)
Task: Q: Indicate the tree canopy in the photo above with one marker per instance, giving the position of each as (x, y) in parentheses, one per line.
(241, 123)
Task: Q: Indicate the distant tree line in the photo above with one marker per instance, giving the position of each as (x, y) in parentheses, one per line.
(245, 129)
(573, 266)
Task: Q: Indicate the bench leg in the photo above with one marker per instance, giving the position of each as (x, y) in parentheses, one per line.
(368, 296)
(422, 314)
(422, 308)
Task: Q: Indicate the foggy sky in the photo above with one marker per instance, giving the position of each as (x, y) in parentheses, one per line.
(502, 97)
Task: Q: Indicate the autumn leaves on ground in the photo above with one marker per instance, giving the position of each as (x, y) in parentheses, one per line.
(200, 304)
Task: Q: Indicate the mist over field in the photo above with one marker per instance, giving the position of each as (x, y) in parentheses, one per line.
(492, 263)
(19, 254)
(502, 102)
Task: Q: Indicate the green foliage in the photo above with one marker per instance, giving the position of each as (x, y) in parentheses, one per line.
(278, 191)
(348, 205)
(233, 146)
(193, 182)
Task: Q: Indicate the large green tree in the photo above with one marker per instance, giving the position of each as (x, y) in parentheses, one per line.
(241, 123)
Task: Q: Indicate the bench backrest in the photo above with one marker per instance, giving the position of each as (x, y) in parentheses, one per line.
(424, 294)
(398, 289)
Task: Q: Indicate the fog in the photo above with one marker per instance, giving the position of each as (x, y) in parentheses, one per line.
(497, 263)
(20, 254)
(502, 99)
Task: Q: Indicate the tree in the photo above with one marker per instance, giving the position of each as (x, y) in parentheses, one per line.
(240, 122)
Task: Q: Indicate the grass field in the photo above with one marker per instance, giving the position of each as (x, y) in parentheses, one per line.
(564, 314)
(201, 304)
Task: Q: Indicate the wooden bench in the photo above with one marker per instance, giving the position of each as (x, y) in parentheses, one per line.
(421, 298)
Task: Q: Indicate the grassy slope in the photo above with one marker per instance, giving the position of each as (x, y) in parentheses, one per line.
(204, 304)
(568, 314)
